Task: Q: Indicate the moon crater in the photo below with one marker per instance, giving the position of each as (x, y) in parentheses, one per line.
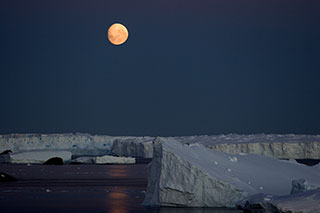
(117, 34)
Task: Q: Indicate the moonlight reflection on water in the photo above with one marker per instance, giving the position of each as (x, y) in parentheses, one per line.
(117, 202)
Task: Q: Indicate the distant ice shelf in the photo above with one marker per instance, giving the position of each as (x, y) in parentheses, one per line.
(288, 146)
(78, 144)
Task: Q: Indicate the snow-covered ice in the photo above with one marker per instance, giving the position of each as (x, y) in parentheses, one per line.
(288, 146)
(185, 175)
(105, 159)
(233, 159)
(39, 156)
(84, 160)
(304, 202)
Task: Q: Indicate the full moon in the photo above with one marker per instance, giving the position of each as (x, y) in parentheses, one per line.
(117, 34)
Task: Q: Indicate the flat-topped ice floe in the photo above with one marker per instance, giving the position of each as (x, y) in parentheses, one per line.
(39, 156)
(195, 176)
(114, 160)
(106, 159)
(84, 160)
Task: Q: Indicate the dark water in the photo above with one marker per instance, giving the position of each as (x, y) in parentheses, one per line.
(80, 188)
(308, 162)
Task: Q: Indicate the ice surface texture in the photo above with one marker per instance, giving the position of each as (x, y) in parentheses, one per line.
(280, 146)
(195, 176)
(304, 202)
(114, 160)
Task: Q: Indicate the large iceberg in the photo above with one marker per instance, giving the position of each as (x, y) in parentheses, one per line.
(195, 176)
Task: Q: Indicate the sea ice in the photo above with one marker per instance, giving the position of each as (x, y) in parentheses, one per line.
(301, 185)
(84, 160)
(114, 160)
(303, 202)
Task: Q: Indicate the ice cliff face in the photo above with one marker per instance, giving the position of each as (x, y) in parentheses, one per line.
(279, 146)
(195, 176)
(78, 144)
(137, 147)
(298, 150)
(173, 181)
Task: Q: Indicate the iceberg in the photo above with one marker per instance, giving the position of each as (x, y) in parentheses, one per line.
(114, 160)
(134, 147)
(106, 159)
(84, 160)
(286, 146)
(79, 144)
(39, 156)
(191, 175)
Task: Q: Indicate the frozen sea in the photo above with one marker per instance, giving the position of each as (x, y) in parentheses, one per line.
(80, 188)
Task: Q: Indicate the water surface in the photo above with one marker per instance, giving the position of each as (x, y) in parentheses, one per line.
(81, 188)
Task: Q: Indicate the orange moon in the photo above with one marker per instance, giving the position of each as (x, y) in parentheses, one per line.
(117, 34)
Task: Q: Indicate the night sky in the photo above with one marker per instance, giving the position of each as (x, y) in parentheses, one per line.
(187, 68)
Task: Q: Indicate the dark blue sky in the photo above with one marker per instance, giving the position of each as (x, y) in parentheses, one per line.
(188, 67)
